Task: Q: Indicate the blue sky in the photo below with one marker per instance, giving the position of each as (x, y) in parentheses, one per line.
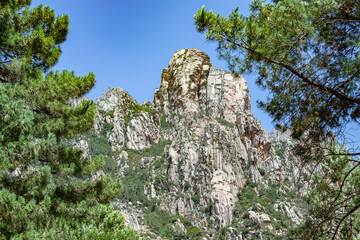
(127, 43)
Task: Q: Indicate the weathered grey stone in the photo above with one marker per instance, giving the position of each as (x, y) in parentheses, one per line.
(112, 98)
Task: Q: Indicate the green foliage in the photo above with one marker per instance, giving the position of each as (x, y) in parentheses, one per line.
(160, 222)
(164, 124)
(107, 127)
(334, 193)
(156, 149)
(225, 123)
(223, 232)
(46, 187)
(98, 144)
(280, 152)
(111, 113)
(179, 116)
(107, 113)
(136, 178)
(195, 198)
(262, 200)
(135, 108)
(194, 233)
(187, 186)
(261, 171)
(159, 163)
(134, 181)
(208, 209)
(251, 184)
(221, 148)
(295, 46)
(306, 54)
(27, 34)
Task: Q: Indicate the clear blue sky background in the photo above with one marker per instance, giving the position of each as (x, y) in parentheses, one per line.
(127, 43)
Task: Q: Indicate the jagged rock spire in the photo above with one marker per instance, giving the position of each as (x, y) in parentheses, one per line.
(191, 85)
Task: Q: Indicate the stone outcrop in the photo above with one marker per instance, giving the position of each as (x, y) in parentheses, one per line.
(261, 219)
(214, 146)
(113, 98)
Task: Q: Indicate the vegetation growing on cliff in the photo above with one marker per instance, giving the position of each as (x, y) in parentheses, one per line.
(269, 200)
(145, 168)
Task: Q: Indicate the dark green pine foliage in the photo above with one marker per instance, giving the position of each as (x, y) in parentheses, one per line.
(333, 200)
(46, 189)
(306, 53)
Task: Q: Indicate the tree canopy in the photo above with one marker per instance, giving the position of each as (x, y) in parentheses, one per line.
(46, 190)
(306, 53)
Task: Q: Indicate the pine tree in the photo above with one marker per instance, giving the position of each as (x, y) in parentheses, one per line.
(46, 189)
(306, 53)
(332, 200)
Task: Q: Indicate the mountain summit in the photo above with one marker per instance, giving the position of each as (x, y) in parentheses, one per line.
(195, 162)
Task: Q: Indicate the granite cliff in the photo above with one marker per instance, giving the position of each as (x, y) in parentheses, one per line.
(195, 163)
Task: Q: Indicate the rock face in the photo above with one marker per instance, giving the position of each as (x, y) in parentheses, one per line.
(197, 150)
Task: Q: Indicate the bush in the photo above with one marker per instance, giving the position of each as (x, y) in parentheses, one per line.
(160, 222)
(194, 233)
(99, 144)
(208, 210)
(223, 232)
(164, 124)
(261, 171)
(280, 152)
(225, 123)
(251, 184)
(156, 149)
(187, 186)
(135, 108)
(195, 198)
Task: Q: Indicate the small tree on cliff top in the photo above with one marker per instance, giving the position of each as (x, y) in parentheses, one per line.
(307, 54)
(45, 186)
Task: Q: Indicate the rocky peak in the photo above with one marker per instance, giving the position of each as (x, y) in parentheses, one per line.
(191, 85)
(112, 98)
